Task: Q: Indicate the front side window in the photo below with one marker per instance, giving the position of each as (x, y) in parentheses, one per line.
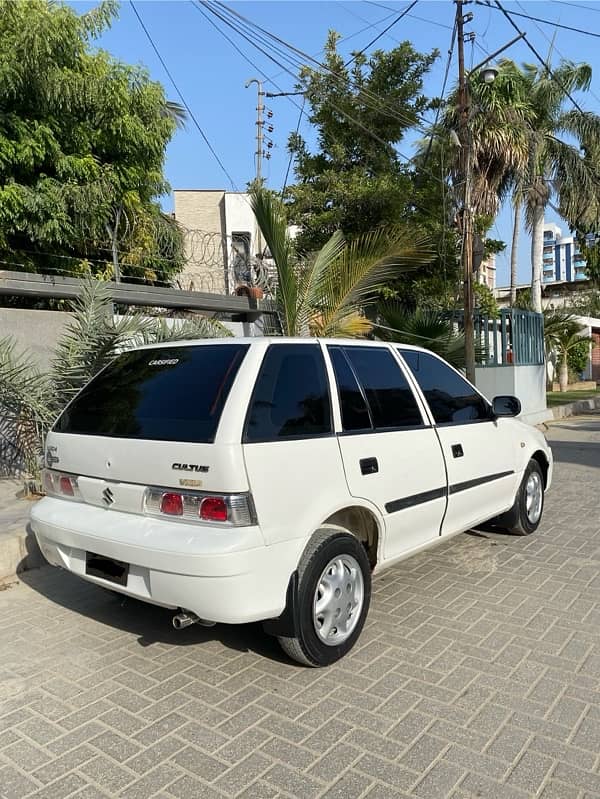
(451, 398)
(389, 396)
(161, 394)
(291, 395)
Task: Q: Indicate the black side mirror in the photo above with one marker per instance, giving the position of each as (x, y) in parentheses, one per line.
(506, 405)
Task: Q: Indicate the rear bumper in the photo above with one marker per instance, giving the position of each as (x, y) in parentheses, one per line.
(222, 575)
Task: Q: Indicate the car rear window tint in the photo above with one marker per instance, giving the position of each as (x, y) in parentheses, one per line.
(388, 393)
(355, 413)
(451, 398)
(166, 394)
(291, 395)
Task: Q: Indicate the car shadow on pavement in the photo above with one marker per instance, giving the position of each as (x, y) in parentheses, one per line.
(579, 453)
(149, 623)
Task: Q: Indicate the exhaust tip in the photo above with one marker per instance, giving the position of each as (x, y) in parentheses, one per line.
(181, 620)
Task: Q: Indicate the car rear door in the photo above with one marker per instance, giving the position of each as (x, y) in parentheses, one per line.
(480, 451)
(391, 454)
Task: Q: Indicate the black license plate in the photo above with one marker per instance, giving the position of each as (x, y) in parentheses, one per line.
(115, 571)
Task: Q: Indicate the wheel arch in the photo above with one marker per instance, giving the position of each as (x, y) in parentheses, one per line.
(542, 460)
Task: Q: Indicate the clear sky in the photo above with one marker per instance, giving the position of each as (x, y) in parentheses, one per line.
(211, 73)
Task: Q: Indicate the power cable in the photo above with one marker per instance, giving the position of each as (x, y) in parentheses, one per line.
(574, 5)
(544, 21)
(376, 101)
(382, 33)
(182, 98)
(439, 108)
(559, 83)
(289, 166)
(551, 42)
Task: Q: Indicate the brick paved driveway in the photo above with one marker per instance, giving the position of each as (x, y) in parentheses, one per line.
(478, 675)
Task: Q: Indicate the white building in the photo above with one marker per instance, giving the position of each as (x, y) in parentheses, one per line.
(562, 260)
(222, 239)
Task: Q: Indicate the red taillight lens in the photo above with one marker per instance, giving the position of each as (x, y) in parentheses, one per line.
(172, 504)
(213, 509)
(66, 487)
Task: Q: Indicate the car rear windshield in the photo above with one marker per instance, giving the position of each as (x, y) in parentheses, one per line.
(166, 394)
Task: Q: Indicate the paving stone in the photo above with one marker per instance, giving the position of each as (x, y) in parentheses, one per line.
(439, 781)
(530, 772)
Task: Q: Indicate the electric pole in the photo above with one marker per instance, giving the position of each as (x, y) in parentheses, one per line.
(260, 107)
(465, 166)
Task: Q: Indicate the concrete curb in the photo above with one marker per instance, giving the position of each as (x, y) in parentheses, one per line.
(576, 408)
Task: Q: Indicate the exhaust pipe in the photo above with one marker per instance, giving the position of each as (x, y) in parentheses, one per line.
(187, 618)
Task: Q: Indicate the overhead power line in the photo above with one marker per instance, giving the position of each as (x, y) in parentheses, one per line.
(544, 21)
(382, 33)
(182, 98)
(558, 82)
(299, 59)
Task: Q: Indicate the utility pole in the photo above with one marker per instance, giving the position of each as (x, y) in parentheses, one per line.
(260, 122)
(465, 167)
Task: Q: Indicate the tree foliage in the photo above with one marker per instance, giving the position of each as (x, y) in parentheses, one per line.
(326, 293)
(82, 145)
(354, 180)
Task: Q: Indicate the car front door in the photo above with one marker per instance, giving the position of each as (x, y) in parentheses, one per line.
(480, 451)
(391, 453)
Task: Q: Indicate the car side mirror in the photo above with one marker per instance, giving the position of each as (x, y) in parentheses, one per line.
(505, 405)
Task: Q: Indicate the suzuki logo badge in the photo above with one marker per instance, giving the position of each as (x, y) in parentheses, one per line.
(107, 497)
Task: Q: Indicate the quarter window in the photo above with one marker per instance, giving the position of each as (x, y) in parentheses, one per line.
(355, 413)
(291, 395)
(451, 398)
(390, 398)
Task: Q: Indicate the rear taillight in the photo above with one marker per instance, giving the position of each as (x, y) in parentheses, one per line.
(171, 504)
(213, 509)
(59, 484)
(228, 510)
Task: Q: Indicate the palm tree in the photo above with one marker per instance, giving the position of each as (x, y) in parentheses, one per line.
(325, 294)
(423, 327)
(556, 164)
(562, 333)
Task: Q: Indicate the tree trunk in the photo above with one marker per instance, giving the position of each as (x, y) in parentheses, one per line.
(537, 253)
(514, 253)
(563, 373)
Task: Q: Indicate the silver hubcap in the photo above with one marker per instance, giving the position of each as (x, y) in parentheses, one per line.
(534, 493)
(338, 600)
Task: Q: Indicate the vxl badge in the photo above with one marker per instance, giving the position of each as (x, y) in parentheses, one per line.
(107, 497)
(51, 458)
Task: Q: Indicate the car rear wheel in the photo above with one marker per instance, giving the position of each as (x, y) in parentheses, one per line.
(334, 593)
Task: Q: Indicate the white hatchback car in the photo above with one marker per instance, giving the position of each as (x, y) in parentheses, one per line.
(266, 479)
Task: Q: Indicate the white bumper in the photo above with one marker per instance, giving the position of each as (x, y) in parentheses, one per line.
(223, 575)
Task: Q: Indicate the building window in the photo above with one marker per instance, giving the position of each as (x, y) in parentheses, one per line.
(240, 257)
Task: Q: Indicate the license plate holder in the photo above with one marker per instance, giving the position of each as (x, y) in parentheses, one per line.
(114, 571)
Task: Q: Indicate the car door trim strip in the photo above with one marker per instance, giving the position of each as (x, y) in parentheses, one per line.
(454, 489)
(437, 493)
(415, 499)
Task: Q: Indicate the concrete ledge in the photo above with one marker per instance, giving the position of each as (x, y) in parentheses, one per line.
(18, 553)
(576, 408)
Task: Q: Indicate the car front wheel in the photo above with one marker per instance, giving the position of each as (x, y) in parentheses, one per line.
(334, 593)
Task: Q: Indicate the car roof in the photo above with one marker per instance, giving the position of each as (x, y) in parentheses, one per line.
(266, 340)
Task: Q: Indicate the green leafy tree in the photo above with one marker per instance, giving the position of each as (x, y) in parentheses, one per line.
(563, 335)
(355, 180)
(30, 400)
(326, 294)
(82, 146)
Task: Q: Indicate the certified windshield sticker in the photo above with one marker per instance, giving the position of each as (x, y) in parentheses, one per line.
(164, 362)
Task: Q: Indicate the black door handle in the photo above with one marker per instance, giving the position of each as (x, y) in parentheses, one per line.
(369, 466)
(457, 450)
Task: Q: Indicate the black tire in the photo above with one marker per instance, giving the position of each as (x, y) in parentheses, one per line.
(307, 646)
(517, 520)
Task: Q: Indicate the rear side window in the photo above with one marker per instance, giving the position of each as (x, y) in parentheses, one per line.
(355, 413)
(166, 394)
(388, 393)
(291, 395)
(450, 397)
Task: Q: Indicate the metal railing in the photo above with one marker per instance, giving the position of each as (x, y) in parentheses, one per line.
(515, 339)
